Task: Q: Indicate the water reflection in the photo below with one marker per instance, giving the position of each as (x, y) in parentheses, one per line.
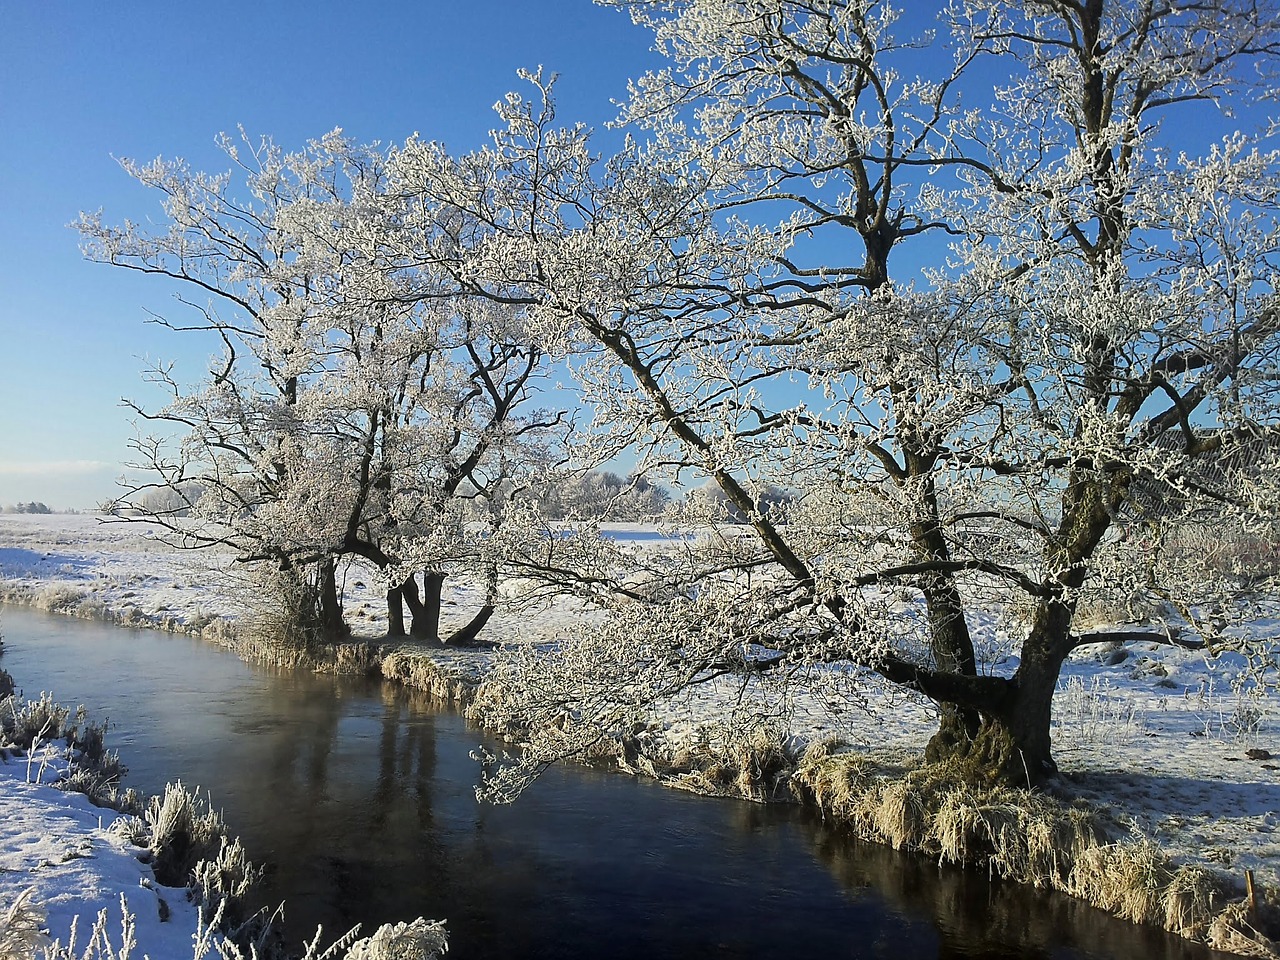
(360, 798)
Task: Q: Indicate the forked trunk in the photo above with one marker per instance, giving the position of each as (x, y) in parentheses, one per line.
(424, 606)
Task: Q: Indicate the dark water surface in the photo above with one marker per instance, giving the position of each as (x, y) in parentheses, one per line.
(360, 799)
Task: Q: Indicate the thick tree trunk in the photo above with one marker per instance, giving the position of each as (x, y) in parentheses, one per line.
(395, 613)
(329, 609)
(1012, 745)
(424, 606)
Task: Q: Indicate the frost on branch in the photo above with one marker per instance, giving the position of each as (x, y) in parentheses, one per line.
(360, 398)
(1036, 425)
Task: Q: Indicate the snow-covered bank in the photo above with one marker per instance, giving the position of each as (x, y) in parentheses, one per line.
(58, 846)
(80, 565)
(1163, 742)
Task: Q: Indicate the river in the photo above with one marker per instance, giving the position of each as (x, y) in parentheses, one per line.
(359, 797)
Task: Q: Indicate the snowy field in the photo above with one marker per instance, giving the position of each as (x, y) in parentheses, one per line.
(1164, 740)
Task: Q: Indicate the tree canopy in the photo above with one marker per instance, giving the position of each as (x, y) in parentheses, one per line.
(1097, 334)
(1081, 374)
(352, 411)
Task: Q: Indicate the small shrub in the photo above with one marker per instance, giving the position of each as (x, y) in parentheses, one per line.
(1094, 713)
(223, 883)
(183, 830)
(21, 929)
(34, 721)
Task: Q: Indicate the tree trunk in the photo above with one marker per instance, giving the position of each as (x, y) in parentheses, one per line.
(329, 612)
(395, 613)
(949, 639)
(424, 607)
(466, 636)
(952, 649)
(1012, 745)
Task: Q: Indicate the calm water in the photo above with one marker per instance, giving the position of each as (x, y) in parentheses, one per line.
(360, 799)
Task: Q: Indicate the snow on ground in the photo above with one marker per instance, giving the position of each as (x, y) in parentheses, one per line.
(57, 845)
(1157, 735)
(80, 564)
(86, 565)
(1163, 739)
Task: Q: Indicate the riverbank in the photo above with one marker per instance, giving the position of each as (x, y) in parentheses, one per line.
(1158, 742)
(80, 880)
(60, 860)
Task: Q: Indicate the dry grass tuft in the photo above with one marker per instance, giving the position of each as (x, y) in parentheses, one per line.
(182, 831)
(361, 658)
(22, 929)
(836, 781)
(762, 764)
(1190, 900)
(1127, 879)
(420, 672)
(1235, 930)
(901, 815)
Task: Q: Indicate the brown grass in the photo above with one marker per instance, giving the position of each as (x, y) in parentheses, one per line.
(1237, 931)
(420, 672)
(1025, 836)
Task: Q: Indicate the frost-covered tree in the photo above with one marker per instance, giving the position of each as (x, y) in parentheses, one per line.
(33, 506)
(986, 436)
(599, 495)
(354, 401)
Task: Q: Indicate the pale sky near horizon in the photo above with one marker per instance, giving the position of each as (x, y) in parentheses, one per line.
(83, 82)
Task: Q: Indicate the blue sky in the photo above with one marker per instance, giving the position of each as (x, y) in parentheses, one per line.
(82, 82)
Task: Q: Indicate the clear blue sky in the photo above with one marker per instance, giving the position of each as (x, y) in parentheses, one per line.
(82, 82)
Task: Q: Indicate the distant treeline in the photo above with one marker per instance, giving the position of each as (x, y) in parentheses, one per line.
(35, 506)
